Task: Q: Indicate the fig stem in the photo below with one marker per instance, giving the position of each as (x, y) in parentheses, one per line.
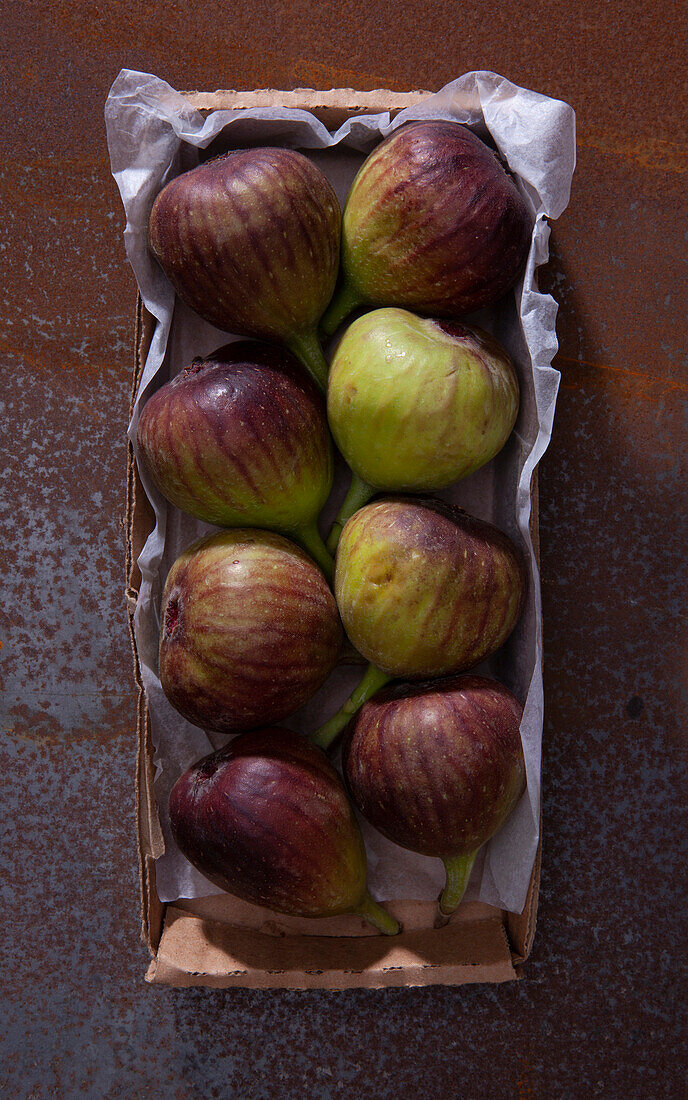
(310, 539)
(306, 347)
(372, 680)
(377, 916)
(359, 494)
(345, 299)
(458, 870)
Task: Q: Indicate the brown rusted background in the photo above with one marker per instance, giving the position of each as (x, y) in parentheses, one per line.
(601, 1010)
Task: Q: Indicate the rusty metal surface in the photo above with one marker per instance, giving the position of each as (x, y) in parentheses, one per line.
(601, 1009)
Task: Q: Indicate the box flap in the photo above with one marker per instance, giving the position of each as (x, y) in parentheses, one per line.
(194, 951)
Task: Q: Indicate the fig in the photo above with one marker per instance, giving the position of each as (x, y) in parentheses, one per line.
(240, 439)
(267, 818)
(416, 404)
(250, 240)
(438, 768)
(249, 630)
(433, 223)
(423, 590)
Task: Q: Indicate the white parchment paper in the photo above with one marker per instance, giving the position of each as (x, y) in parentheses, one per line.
(153, 134)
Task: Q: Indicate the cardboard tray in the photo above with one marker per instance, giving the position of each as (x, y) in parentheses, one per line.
(219, 941)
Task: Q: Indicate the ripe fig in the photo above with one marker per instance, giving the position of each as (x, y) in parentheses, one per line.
(240, 439)
(249, 630)
(416, 404)
(438, 768)
(423, 590)
(250, 240)
(266, 818)
(433, 223)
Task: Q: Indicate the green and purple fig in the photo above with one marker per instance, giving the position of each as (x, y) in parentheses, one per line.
(250, 241)
(433, 223)
(267, 819)
(438, 768)
(416, 404)
(240, 439)
(423, 590)
(249, 630)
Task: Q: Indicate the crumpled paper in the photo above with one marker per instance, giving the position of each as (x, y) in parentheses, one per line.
(154, 134)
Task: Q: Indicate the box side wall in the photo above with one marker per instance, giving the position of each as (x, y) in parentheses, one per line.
(521, 926)
(140, 520)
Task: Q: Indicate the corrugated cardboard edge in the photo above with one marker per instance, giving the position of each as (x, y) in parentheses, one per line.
(190, 949)
(331, 107)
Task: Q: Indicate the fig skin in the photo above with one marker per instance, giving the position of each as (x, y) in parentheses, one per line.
(267, 819)
(433, 223)
(240, 439)
(250, 240)
(417, 404)
(438, 768)
(249, 630)
(424, 589)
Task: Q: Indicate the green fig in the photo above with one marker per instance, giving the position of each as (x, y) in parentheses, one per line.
(416, 404)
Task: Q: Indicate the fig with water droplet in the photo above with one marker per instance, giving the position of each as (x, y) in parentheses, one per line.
(416, 404)
(433, 223)
(249, 630)
(250, 241)
(438, 768)
(267, 819)
(423, 590)
(240, 439)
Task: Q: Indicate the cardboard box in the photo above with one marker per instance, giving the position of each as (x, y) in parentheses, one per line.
(219, 941)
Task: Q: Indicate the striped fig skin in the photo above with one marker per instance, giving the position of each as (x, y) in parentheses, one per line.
(249, 630)
(250, 241)
(424, 589)
(434, 223)
(416, 403)
(240, 438)
(437, 768)
(267, 819)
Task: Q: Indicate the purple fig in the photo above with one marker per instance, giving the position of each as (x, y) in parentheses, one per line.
(432, 223)
(438, 768)
(250, 240)
(240, 439)
(423, 590)
(266, 818)
(249, 630)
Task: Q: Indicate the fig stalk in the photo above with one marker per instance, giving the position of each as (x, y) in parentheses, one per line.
(377, 916)
(310, 539)
(372, 680)
(346, 299)
(360, 492)
(306, 347)
(458, 870)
